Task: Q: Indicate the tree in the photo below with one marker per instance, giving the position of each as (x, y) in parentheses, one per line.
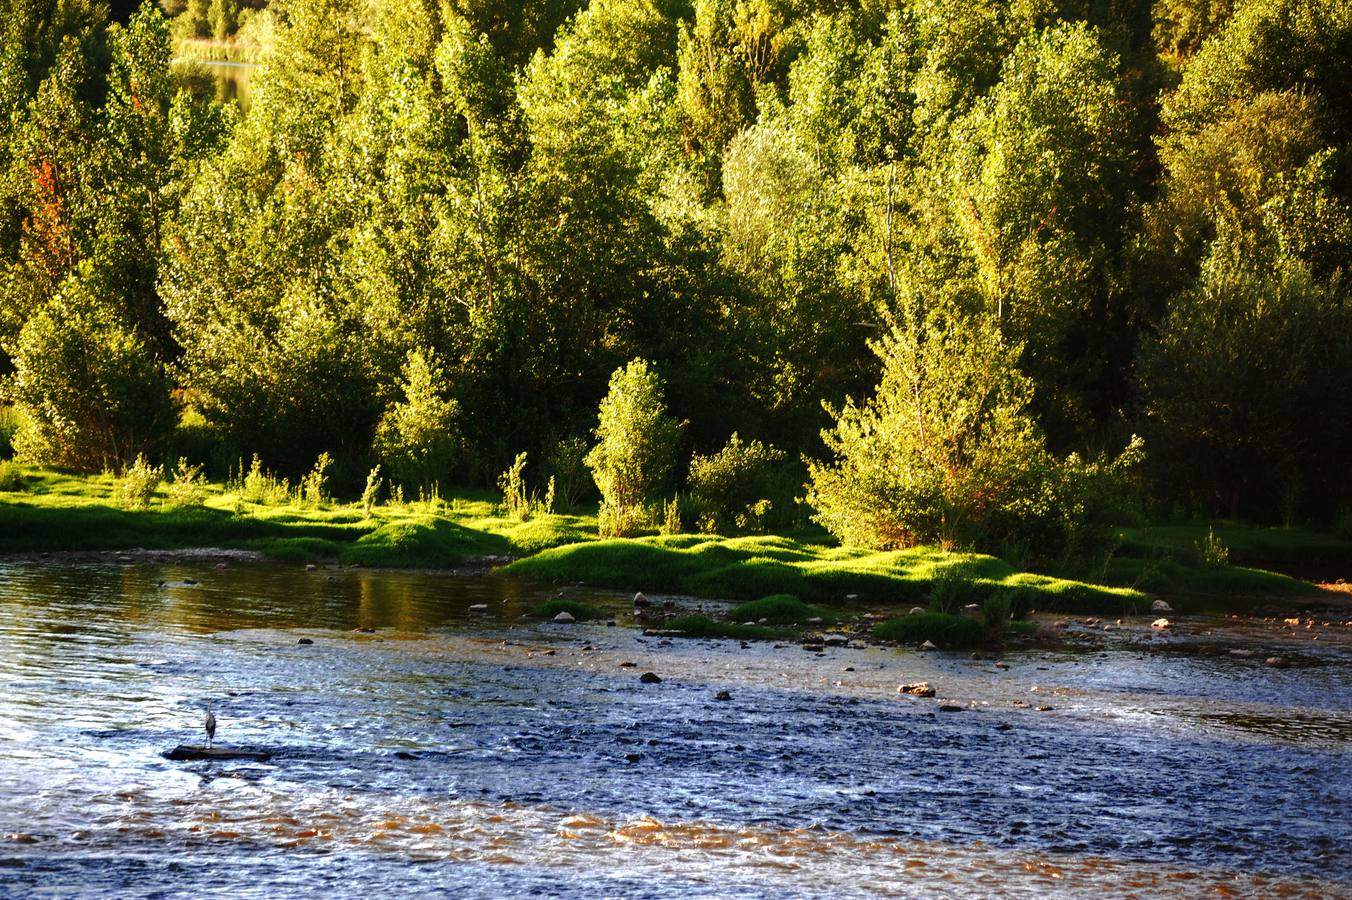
(635, 448)
(416, 437)
(92, 393)
(946, 451)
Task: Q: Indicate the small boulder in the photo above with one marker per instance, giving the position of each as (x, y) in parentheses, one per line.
(310, 567)
(564, 618)
(1277, 662)
(1161, 624)
(1159, 606)
(305, 641)
(929, 645)
(917, 689)
(479, 608)
(972, 607)
(641, 601)
(815, 620)
(916, 610)
(650, 678)
(950, 707)
(723, 695)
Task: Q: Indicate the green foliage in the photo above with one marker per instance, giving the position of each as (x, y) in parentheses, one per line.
(946, 631)
(10, 419)
(417, 437)
(370, 494)
(518, 501)
(314, 487)
(260, 486)
(1212, 552)
(91, 393)
(11, 477)
(567, 465)
(781, 609)
(138, 484)
(188, 488)
(729, 490)
(635, 449)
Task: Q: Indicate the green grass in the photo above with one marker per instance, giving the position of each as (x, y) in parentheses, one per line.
(60, 511)
(748, 568)
(580, 611)
(705, 627)
(945, 630)
(1292, 549)
(782, 609)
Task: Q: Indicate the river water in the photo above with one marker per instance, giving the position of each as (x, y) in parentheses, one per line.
(468, 754)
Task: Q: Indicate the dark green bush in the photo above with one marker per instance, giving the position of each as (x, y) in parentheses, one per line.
(945, 630)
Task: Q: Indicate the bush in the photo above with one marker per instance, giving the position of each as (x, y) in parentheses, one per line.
(370, 495)
(730, 490)
(11, 477)
(416, 437)
(92, 394)
(138, 484)
(1212, 552)
(314, 486)
(260, 486)
(517, 501)
(946, 453)
(636, 444)
(567, 463)
(9, 427)
(188, 488)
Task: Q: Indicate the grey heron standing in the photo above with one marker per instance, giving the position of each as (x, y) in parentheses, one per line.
(210, 725)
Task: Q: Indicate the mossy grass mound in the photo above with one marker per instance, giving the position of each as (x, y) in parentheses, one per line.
(704, 627)
(750, 568)
(578, 610)
(943, 629)
(782, 609)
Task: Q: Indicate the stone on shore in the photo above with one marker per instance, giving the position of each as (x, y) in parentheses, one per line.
(1161, 624)
(1277, 662)
(564, 618)
(917, 689)
(641, 601)
(1159, 606)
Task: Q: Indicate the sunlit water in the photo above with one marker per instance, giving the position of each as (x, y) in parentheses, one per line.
(482, 755)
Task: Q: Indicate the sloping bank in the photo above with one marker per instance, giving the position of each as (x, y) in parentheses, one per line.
(751, 567)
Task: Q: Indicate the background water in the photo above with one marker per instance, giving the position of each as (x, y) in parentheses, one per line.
(485, 755)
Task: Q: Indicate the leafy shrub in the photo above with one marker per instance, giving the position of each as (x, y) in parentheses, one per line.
(946, 453)
(1212, 552)
(567, 463)
(314, 486)
(188, 488)
(136, 489)
(370, 495)
(517, 501)
(636, 444)
(671, 516)
(950, 591)
(9, 427)
(729, 490)
(416, 437)
(91, 391)
(11, 477)
(996, 610)
(260, 486)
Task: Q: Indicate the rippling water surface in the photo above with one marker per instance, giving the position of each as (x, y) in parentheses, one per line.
(481, 755)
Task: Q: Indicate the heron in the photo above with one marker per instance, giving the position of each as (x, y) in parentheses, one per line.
(210, 724)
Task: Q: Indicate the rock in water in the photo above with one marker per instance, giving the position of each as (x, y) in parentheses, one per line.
(723, 695)
(950, 707)
(1161, 624)
(928, 645)
(190, 752)
(564, 618)
(650, 678)
(1277, 662)
(917, 689)
(305, 641)
(479, 608)
(640, 600)
(916, 610)
(1159, 606)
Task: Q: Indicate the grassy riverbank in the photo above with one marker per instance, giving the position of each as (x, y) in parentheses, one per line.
(53, 511)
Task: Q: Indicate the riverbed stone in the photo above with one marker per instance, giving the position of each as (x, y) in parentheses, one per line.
(650, 678)
(916, 610)
(916, 689)
(479, 608)
(564, 618)
(305, 641)
(950, 707)
(929, 645)
(640, 600)
(1159, 606)
(1161, 624)
(723, 695)
(1277, 662)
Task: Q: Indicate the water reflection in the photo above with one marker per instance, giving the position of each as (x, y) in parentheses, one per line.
(446, 736)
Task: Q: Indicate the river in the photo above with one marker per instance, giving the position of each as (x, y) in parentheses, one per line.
(447, 751)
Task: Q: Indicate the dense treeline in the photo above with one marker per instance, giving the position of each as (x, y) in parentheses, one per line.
(1113, 218)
